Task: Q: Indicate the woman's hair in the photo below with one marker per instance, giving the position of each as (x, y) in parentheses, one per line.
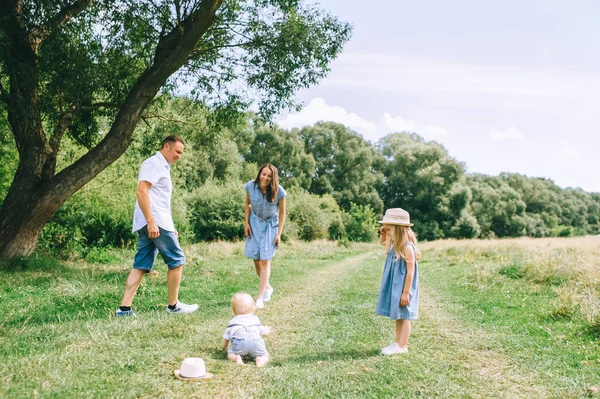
(400, 236)
(272, 188)
(242, 303)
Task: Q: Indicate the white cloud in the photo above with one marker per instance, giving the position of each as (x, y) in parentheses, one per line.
(399, 124)
(463, 84)
(318, 110)
(567, 153)
(435, 131)
(508, 134)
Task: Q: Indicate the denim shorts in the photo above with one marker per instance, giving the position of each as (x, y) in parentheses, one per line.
(166, 243)
(247, 344)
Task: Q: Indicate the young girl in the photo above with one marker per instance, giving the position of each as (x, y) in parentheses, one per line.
(399, 293)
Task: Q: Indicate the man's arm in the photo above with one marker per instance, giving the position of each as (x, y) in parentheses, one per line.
(144, 202)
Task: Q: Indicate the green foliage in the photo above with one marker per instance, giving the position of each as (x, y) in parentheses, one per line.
(345, 165)
(498, 207)
(562, 231)
(217, 211)
(360, 223)
(515, 271)
(421, 178)
(313, 214)
(466, 226)
(99, 215)
(286, 151)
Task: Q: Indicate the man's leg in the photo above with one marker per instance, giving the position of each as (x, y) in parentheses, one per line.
(173, 282)
(131, 285)
(168, 246)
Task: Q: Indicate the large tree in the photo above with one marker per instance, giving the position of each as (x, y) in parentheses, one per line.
(285, 150)
(89, 69)
(345, 165)
(421, 177)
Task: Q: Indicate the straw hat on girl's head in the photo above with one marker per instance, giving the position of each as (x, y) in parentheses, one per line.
(192, 369)
(397, 216)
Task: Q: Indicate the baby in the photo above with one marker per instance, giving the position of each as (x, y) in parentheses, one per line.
(245, 332)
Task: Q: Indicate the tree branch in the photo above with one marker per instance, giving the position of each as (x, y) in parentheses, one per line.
(64, 122)
(151, 115)
(171, 54)
(40, 32)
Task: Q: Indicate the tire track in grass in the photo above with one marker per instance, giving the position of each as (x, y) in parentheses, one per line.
(474, 350)
(447, 358)
(469, 364)
(284, 313)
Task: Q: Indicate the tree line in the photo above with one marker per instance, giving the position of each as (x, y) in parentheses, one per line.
(87, 90)
(339, 185)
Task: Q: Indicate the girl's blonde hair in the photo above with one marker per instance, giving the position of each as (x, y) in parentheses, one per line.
(400, 236)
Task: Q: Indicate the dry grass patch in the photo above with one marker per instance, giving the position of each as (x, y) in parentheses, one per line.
(570, 265)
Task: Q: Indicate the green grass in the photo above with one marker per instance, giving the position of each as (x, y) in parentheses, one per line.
(488, 327)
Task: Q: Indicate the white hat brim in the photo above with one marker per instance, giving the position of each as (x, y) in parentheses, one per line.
(206, 376)
(395, 223)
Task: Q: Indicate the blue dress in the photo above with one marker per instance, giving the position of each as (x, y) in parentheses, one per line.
(264, 222)
(392, 285)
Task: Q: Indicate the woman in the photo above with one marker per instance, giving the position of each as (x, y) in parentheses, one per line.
(264, 219)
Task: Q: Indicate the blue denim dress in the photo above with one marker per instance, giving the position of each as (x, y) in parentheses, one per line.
(392, 285)
(264, 222)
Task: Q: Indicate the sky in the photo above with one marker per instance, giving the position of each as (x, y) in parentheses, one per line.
(505, 86)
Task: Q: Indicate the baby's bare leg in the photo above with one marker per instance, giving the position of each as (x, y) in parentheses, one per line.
(262, 361)
(235, 358)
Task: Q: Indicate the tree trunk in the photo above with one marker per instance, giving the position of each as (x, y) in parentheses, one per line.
(24, 213)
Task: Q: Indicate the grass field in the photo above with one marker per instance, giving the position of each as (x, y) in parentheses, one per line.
(498, 319)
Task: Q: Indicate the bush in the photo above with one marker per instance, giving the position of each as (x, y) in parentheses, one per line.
(466, 226)
(313, 214)
(91, 218)
(216, 211)
(360, 223)
(562, 231)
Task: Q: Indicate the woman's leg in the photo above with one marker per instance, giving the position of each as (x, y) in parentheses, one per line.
(257, 267)
(264, 272)
(402, 332)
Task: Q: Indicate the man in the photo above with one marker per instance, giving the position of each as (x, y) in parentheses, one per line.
(153, 222)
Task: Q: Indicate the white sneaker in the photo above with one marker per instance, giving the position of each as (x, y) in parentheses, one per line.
(260, 303)
(183, 308)
(390, 346)
(394, 349)
(268, 293)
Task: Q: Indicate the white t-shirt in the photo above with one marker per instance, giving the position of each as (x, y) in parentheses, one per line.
(156, 171)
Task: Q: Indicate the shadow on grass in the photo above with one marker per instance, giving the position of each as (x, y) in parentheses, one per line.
(326, 356)
(593, 331)
(276, 361)
(33, 263)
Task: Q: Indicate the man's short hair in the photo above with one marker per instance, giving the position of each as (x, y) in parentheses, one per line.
(171, 140)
